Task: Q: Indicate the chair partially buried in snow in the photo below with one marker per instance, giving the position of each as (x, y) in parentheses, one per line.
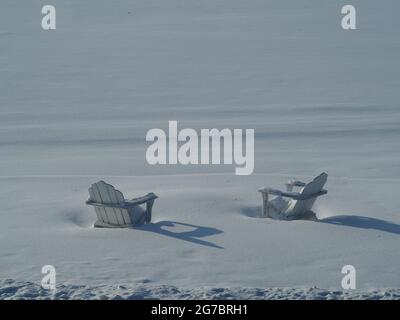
(113, 211)
(293, 205)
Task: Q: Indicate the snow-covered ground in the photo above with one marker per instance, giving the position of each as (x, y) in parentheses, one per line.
(10, 289)
(75, 106)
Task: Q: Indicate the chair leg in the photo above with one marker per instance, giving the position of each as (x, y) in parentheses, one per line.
(149, 206)
(265, 204)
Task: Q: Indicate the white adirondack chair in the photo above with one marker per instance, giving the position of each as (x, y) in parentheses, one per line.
(113, 211)
(299, 204)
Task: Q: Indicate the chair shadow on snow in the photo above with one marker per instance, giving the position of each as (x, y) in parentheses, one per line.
(193, 235)
(251, 212)
(354, 221)
(363, 223)
(256, 212)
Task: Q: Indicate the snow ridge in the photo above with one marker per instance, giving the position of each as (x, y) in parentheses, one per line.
(11, 289)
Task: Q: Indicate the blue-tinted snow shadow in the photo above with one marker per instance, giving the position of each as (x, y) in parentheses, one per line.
(363, 223)
(342, 220)
(192, 235)
(251, 212)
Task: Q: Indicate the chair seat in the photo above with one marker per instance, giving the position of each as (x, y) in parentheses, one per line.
(279, 207)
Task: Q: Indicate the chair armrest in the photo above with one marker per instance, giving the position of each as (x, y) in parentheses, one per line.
(111, 205)
(276, 192)
(136, 201)
(293, 195)
(127, 204)
(295, 183)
